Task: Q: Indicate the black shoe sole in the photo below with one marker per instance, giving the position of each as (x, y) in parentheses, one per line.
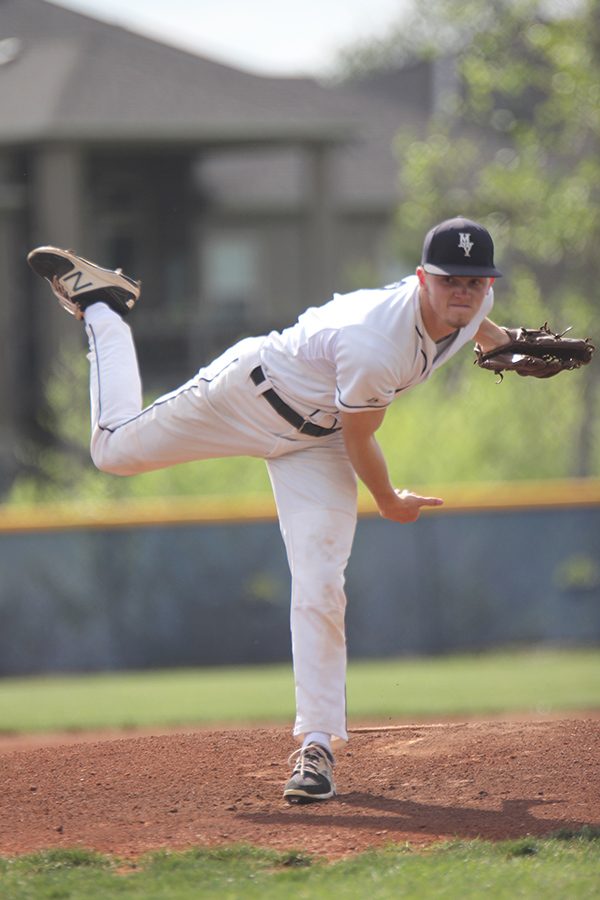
(307, 798)
(49, 265)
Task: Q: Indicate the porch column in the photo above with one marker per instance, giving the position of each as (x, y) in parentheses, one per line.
(12, 200)
(58, 198)
(55, 202)
(320, 244)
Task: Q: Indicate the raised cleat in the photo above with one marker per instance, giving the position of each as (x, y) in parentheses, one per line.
(77, 282)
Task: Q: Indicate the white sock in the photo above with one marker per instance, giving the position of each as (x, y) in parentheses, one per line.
(318, 737)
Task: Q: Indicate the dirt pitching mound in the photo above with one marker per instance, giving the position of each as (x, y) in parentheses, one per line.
(414, 783)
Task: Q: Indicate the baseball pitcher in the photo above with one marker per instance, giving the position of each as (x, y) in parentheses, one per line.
(309, 401)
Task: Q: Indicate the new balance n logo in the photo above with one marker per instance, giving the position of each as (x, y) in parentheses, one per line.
(77, 286)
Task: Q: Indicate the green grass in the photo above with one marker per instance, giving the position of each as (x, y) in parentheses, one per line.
(550, 868)
(535, 681)
(549, 680)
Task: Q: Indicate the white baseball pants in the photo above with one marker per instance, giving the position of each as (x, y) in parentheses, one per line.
(219, 413)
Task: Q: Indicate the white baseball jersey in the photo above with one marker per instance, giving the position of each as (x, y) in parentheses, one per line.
(359, 351)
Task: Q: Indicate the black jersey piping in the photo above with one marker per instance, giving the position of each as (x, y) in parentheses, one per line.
(362, 406)
(147, 409)
(424, 355)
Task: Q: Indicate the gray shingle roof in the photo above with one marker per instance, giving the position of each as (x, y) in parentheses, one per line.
(76, 77)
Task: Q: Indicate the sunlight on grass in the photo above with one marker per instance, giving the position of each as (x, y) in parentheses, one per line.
(537, 681)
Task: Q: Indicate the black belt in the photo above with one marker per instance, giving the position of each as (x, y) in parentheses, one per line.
(286, 412)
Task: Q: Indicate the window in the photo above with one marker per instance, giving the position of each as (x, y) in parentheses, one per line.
(231, 267)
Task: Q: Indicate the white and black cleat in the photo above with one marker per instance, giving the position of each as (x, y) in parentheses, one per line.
(312, 777)
(77, 282)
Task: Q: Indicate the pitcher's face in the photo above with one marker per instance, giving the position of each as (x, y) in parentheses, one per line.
(450, 302)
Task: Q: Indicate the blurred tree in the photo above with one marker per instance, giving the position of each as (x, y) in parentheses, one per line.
(514, 142)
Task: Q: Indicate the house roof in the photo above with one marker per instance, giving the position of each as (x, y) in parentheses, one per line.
(69, 76)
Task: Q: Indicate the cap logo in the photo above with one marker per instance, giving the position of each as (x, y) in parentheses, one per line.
(465, 242)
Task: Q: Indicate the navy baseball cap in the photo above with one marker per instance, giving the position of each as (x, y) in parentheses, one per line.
(459, 247)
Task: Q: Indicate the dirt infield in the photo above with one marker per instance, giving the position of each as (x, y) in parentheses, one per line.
(413, 783)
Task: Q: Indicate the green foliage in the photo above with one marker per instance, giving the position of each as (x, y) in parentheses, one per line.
(65, 471)
(465, 427)
(529, 868)
(413, 38)
(516, 144)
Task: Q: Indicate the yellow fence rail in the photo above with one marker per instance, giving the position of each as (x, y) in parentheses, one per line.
(174, 511)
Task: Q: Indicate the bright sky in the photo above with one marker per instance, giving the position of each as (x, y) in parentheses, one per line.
(278, 37)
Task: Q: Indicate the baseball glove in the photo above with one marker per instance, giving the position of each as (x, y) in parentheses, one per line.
(537, 352)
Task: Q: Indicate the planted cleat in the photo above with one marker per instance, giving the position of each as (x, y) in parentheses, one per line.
(312, 777)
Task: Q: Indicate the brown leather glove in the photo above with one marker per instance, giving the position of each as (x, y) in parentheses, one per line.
(539, 353)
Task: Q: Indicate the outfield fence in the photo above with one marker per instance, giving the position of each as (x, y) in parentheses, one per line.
(195, 582)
